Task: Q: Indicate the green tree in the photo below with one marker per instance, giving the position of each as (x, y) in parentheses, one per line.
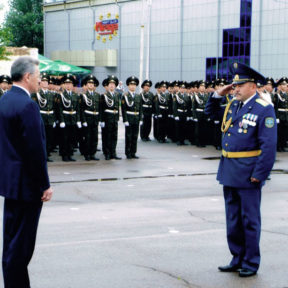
(5, 37)
(25, 21)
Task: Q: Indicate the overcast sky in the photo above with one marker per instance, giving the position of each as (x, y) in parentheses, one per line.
(4, 4)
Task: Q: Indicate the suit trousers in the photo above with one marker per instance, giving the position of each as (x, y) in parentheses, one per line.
(20, 229)
(131, 137)
(243, 224)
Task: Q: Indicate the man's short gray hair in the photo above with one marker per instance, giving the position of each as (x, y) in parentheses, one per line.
(21, 66)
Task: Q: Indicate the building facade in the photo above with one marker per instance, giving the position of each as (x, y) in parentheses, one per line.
(183, 39)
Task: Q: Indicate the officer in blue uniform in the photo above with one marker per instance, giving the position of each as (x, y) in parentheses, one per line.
(249, 143)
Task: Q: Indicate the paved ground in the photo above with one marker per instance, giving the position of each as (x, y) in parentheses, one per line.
(156, 222)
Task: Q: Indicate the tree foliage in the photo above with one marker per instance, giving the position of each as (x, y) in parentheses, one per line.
(25, 21)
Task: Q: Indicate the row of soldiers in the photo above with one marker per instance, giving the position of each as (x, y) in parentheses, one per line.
(177, 110)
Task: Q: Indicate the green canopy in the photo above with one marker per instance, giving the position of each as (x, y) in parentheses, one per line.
(58, 67)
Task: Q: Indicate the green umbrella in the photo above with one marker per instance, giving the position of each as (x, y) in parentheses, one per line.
(59, 67)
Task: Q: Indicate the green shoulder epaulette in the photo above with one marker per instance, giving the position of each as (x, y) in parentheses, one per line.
(262, 102)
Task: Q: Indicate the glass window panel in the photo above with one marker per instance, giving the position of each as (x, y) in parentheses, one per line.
(236, 49)
(247, 49)
(230, 53)
(225, 50)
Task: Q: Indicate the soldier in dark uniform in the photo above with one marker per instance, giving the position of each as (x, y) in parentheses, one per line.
(170, 121)
(190, 126)
(249, 149)
(109, 117)
(281, 110)
(199, 116)
(102, 124)
(161, 105)
(90, 110)
(147, 105)
(155, 118)
(69, 117)
(180, 113)
(132, 116)
(47, 102)
(4, 84)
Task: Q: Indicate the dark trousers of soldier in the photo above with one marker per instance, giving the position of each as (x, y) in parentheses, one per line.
(200, 130)
(109, 138)
(146, 127)
(217, 135)
(209, 132)
(20, 229)
(171, 129)
(79, 140)
(190, 131)
(131, 136)
(155, 128)
(282, 135)
(180, 127)
(49, 138)
(68, 140)
(162, 127)
(90, 140)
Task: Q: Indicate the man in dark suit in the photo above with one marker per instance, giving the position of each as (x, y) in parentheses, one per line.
(249, 142)
(24, 182)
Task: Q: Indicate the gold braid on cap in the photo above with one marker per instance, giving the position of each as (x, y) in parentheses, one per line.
(225, 124)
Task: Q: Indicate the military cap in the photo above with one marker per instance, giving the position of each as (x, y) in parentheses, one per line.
(209, 84)
(163, 84)
(282, 81)
(221, 82)
(195, 84)
(201, 82)
(5, 78)
(182, 84)
(57, 81)
(112, 79)
(45, 77)
(105, 82)
(132, 80)
(176, 83)
(68, 78)
(170, 84)
(52, 80)
(270, 80)
(146, 83)
(243, 73)
(91, 79)
(157, 85)
(259, 85)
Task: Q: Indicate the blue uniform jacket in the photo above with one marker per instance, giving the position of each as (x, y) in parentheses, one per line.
(252, 128)
(23, 157)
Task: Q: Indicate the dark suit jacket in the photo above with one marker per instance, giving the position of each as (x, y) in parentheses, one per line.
(24, 174)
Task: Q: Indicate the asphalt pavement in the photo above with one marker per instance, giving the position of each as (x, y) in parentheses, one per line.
(155, 222)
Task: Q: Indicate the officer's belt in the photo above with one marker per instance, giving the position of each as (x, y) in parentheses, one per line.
(146, 106)
(241, 154)
(132, 113)
(180, 110)
(46, 112)
(283, 109)
(111, 111)
(91, 112)
(163, 107)
(69, 112)
(200, 110)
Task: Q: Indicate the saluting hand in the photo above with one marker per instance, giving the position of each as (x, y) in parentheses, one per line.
(47, 195)
(224, 90)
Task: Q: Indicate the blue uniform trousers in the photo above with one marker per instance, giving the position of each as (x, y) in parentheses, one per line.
(20, 229)
(243, 222)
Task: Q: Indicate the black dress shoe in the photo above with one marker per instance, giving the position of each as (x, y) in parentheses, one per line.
(87, 158)
(244, 272)
(65, 159)
(107, 157)
(92, 157)
(71, 159)
(135, 157)
(148, 139)
(128, 156)
(116, 158)
(229, 268)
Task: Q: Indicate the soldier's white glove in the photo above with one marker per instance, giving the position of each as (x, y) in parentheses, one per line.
(277, 121)
(195, 120)
(102, 124)
(84, 124)
(79, 124)
(126, 123)
(191, 118)
(176, 118)
(62, 125)
(208, 119)
(159, 116)
(216, 122)
(155, 117)
(188, 118)
(141, 123)
(54, 124)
